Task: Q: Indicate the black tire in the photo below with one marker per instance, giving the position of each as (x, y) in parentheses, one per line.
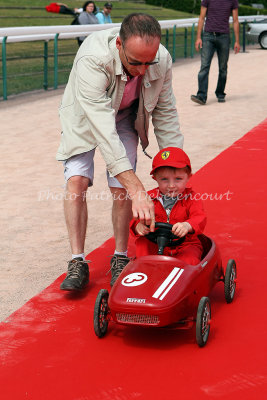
(203, 321)
(263, 40)
(101, 311)
(230, 281)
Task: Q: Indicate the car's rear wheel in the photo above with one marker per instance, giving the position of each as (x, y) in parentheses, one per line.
(230, 281)
(100, 313)
(203, 321)
(263, 40)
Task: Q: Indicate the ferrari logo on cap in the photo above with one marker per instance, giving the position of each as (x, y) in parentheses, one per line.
(165, 155)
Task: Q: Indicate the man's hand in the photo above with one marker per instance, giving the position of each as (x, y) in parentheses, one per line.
(181, 228)
(143, 209)
(141, 229)
(198, 44)
(236, 47)
(142, 205)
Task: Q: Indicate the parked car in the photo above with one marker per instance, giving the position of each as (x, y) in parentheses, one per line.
(257, 33)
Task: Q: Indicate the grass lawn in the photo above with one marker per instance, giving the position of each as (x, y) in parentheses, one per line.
(25, 60)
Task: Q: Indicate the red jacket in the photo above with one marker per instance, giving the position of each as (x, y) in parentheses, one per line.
(188, 209)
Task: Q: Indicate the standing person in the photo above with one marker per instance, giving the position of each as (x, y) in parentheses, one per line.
(87, 16)
(104, 16)
(118, 80)
(216, 37)
(175, 203)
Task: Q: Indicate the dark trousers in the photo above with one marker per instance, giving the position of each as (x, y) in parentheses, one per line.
(221, 44)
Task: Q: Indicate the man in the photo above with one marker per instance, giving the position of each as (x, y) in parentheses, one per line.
(216, 37)
(104, 16)
(118, 80)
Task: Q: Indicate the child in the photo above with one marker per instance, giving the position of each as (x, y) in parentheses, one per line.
(176, 204)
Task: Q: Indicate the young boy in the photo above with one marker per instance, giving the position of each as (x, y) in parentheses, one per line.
(175, 203)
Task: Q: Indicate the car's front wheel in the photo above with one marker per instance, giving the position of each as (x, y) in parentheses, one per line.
(263, 40)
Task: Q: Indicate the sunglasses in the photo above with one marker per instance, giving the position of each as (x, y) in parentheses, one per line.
(137, 63)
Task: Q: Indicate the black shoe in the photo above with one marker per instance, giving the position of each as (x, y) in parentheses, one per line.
(117, 263)
(198, 100)
(221, 100)
(78, 275)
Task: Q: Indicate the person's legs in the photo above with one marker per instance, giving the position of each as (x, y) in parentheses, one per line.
(75, 210)
(144, 247)
(121, 217)
(223, 48)
(78, 173)
(190, 254)
(122, 205)
(207, 52)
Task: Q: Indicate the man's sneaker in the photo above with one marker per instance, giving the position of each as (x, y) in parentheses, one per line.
(198, 100)
(117, 263)
(78, 275)
(221, 100)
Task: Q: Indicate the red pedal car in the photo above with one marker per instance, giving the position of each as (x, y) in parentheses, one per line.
(158, 290)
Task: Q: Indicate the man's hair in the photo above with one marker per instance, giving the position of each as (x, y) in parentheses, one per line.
(186, 169)
(139, 24)
(89, 2)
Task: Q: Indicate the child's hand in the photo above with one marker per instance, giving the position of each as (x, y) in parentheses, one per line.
(181, 228)
(142, 229)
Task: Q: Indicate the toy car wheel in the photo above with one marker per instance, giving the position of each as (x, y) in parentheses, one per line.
(101, 311)
(203, 321)
(230, 281)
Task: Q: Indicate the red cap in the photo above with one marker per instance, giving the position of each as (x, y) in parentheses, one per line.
(170, 157)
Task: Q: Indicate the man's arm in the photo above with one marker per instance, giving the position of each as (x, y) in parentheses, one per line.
(91, 95)
(201, 20)
(165, 116)
(100, 18)
(142, 205)
(236, 30)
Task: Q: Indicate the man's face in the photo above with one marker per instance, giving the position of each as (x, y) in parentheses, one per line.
(107, 10)
(137, 50)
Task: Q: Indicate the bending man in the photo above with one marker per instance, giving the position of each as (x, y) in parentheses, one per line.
(119, 79)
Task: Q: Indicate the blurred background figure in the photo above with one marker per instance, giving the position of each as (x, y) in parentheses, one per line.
(104, 16)
(87, 16)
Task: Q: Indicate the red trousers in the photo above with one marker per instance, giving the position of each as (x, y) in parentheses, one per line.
(189, 253)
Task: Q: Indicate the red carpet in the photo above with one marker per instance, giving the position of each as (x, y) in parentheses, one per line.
(48, 349)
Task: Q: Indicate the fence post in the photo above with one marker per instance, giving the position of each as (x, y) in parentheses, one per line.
(55, 60)
(167, 39)
(173, 43)
(244, 36)
(192, 40)
(4, 68)
(185, 42)
(45, 65)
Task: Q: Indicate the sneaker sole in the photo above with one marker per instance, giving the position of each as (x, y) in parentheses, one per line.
(72, 288)
(198, 101)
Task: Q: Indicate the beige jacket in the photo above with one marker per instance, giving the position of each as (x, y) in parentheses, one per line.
(92, 99)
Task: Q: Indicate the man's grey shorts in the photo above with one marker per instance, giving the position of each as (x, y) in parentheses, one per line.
(83, 164)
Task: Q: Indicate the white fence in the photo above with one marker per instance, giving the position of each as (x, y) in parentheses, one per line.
(47, 33)
(32, 33)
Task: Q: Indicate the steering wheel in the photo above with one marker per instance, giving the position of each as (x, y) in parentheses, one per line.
(163, 236)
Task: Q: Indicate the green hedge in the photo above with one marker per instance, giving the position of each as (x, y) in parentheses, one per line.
(193, 6)
(246, 10)
(249, 2)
